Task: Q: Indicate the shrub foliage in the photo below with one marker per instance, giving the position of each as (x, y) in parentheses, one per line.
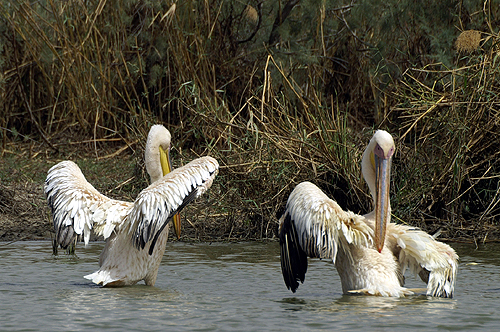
(278, 91)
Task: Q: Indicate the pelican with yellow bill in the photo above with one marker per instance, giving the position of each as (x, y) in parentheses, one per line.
(135, 232)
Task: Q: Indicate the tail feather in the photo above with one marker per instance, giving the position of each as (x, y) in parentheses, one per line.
(102, 278)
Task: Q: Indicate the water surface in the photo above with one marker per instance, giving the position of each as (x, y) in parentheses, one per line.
(229, 287)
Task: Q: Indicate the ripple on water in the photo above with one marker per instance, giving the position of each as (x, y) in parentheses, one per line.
(228, 287)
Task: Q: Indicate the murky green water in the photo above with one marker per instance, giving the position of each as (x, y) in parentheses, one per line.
(229, 287)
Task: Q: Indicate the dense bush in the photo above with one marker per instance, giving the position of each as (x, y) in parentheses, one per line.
(278, 91)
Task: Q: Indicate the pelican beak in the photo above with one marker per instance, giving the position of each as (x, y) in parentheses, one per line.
(176, 220)
(382, 206)
(166, 167)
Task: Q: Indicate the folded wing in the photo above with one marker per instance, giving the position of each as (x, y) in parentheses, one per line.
(435, 262)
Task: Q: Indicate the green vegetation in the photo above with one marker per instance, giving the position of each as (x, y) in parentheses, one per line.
(278, 91)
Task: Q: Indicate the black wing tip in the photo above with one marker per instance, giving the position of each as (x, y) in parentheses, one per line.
(139, 239)
(65, 235)
(153, 243)
(291, 283)
(293, 258)
(137, 243)
(188, 199)
(448, 295)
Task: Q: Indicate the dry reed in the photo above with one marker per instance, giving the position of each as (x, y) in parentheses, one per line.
(272, 116)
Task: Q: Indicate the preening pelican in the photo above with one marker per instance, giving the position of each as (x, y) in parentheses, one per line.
(370, 253)
(136, 233)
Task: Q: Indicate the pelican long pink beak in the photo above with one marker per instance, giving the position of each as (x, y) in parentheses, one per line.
(166, 167)
(382, 201)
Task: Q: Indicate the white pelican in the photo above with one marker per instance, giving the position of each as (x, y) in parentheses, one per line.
(136, 233)
(370, 253)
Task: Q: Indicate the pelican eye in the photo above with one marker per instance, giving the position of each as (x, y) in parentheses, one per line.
(390, 153)
(379, 151)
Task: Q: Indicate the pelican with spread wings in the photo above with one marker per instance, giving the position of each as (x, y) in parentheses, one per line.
(369, 252)
(135, 232)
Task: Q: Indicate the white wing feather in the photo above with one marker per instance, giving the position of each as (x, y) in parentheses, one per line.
(322, 225)
(77, 207)
(314, 225)
(157, 204)
(435, 262)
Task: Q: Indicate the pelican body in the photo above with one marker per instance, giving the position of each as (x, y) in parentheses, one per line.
(135, 232)
(370, 253)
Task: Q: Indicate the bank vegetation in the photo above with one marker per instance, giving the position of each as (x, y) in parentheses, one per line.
(278, 91)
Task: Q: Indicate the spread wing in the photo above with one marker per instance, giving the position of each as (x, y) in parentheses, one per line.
(314, 225)
(77, 207)
(158, 203)
(435, 262)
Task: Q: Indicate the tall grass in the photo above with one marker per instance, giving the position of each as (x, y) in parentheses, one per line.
(452, 116)
(301, 108)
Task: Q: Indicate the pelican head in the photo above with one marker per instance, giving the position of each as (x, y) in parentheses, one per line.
(157, 157)
(376, 168)
(157, 154)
